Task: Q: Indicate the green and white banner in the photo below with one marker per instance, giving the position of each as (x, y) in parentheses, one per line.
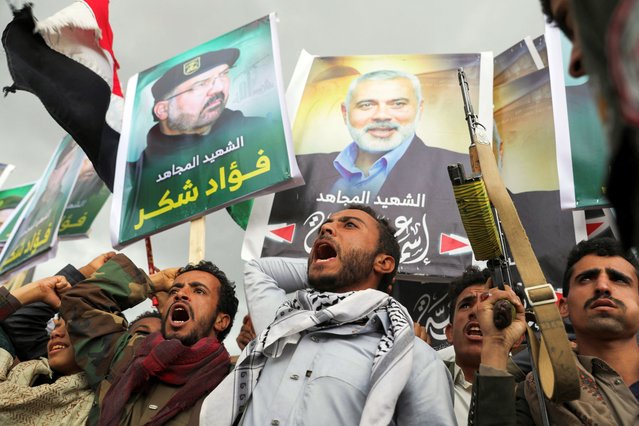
(202, 130)
(36, 230)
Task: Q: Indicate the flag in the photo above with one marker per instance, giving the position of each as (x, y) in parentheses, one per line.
(67, 61)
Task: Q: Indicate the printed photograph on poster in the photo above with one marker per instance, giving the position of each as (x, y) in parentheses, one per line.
(582, 151)
(542, 49)
(87, 199)
(36, 231)
(518, 60)
(10, 200)
(18, 280)
(203, 130)
(364, 126)
(12, 203)
(526, 154)
(523, 115)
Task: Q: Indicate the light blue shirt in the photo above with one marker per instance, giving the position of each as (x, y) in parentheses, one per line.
(325, 377)
(352, 180)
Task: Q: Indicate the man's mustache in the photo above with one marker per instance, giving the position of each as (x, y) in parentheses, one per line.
(380, 125)
(214, 98)
(592, 300)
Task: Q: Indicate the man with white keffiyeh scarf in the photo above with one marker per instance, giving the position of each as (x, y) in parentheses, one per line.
(340, 353)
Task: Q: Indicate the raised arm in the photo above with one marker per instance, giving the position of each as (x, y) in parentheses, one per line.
(266, 283)
(93, 313)
(26, 326)
(494, 387)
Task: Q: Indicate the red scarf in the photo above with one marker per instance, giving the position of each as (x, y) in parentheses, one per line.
(197, 369)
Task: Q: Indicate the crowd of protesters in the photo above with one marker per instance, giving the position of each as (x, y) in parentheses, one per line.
(323, 343)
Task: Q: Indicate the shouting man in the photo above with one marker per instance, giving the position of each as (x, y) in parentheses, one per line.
(161, 377)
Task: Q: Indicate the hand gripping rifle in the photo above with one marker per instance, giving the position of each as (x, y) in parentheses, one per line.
(552, 355)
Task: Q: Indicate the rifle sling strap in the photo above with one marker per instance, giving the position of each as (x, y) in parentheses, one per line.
(554, 361)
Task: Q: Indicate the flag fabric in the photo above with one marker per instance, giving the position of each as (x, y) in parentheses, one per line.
(67, 62)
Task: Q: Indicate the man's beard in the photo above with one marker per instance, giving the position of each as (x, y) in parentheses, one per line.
(369, 143)
(184, 122)
(356, 267)
(201, 330)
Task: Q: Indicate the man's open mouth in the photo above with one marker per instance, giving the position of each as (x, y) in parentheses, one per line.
(472, 330)
(324, 251)
(179, 315)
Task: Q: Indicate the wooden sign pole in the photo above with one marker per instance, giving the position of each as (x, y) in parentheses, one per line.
(196, 239)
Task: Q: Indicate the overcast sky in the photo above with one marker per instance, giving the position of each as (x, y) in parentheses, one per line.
(147, 32)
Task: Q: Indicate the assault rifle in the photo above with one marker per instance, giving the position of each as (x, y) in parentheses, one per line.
(492, 225)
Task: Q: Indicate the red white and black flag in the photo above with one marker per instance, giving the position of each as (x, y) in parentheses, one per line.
(67, 61)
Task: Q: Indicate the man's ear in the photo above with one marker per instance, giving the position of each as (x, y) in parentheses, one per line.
(563, 308)
(384, 264)
(449, 333)
(344, 113)
(161, 110)
(222, 322)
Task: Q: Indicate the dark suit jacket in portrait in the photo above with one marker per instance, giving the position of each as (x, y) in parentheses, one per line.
(416, 197)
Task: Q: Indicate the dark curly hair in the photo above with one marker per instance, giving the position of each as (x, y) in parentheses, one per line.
(147, 314)
(604, 247)
(227, 301)
(559, 21)
(470, 277)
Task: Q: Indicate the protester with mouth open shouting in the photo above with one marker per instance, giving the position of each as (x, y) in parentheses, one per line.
(340, 352)
(163, 377)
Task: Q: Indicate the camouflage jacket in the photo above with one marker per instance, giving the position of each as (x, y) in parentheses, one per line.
(93, 312)
(8, 303)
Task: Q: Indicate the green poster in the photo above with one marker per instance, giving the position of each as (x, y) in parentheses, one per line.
(87, 199)
(201, 131)
(582, 151)
(12, 202)
(36, 231)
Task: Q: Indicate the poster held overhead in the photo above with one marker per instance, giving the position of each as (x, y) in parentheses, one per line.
(36, 231)
(377, 130)
(12, 203)
(87, 199)
(203, 130)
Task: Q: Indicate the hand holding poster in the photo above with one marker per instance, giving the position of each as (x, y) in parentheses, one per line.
(202, 130)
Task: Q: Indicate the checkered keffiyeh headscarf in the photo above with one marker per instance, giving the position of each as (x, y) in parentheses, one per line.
(310, 310)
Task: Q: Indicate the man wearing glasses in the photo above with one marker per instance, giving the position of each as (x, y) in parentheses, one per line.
(194, 129)
(190, 98)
